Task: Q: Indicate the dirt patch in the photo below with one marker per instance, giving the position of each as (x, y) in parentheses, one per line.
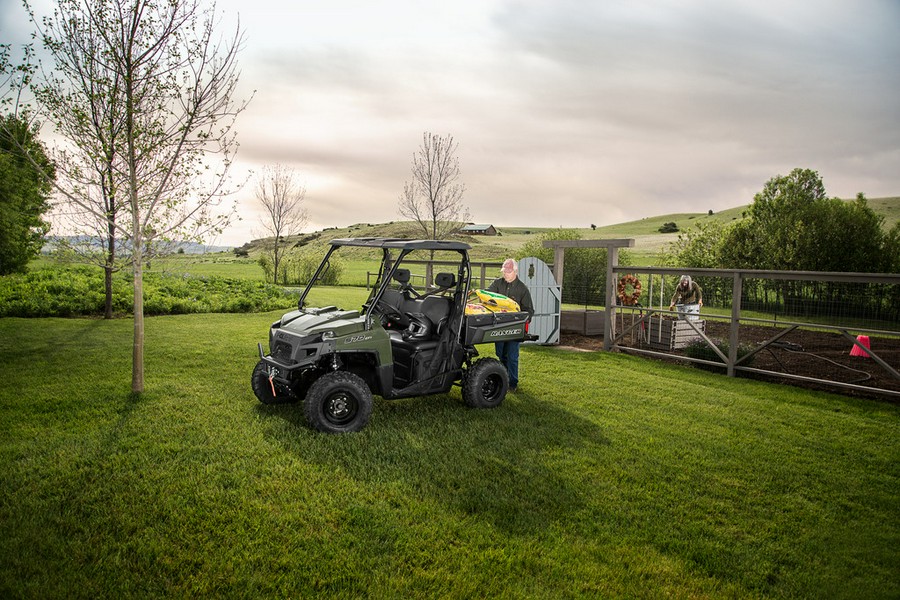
(815, 354)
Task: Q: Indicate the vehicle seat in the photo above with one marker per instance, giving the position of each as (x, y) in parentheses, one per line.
(401, 276)
(420, 328)
(445, 280)
(394, 299)
(425, 327)
(437, 309)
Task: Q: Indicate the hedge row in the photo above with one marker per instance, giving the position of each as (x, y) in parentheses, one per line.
(78, 291)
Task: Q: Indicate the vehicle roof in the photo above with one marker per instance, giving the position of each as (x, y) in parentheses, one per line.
(403, 244)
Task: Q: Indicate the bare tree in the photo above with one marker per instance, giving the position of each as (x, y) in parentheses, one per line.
(282, 197)
(168, 82)
(433, 199)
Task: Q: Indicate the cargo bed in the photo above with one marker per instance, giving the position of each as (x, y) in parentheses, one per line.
(495, 327)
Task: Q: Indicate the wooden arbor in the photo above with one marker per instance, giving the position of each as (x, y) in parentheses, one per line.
(612, 260)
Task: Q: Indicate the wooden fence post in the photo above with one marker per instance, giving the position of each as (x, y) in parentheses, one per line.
(609, 323)
(737, 285)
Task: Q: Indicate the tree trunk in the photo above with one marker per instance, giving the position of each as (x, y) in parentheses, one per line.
(277, 260)
(137, 357)
(108, 270)
(107, 284)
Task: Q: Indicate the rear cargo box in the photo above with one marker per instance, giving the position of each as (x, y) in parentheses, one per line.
(495, 327)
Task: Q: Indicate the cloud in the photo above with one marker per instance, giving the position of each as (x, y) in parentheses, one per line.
(683, 83)
(569, 112)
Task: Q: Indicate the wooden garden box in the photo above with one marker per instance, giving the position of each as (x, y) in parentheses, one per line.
(671, 334)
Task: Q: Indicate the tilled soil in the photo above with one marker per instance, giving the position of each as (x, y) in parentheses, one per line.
(815, 354)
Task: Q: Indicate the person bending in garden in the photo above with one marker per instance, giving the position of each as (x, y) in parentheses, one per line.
(511, 286)
(687, 292)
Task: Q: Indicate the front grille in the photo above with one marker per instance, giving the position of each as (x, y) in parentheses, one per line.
(282, 352)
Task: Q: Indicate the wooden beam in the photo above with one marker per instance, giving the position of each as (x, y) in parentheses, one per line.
(617, 243)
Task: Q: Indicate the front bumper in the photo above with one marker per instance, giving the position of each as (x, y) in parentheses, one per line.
(290, 353)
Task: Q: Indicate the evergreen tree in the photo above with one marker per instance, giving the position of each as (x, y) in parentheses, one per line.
(24, 194)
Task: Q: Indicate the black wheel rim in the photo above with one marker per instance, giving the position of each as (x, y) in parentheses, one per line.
(491, 387)
(341, 408)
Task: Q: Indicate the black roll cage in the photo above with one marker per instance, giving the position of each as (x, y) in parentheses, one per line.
(389, 266)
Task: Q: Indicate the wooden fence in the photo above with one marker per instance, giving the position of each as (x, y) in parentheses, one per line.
(855, 329)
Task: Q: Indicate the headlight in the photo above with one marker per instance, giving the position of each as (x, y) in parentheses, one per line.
(327, 335)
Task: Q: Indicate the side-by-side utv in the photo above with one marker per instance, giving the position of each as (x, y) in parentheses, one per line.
(405, 340)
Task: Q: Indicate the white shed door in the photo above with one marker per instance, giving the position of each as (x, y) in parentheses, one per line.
(547, 298)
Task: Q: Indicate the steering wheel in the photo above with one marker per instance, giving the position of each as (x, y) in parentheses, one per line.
(388, 312)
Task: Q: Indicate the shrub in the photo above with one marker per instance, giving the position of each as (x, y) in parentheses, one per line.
(669, 227)
(267, 266)
(301, 265)
(700, 350)
(57, 292)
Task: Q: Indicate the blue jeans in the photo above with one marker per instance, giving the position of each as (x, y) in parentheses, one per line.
(508, 353)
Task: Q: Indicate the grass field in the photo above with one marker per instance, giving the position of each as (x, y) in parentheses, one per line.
(605, 476)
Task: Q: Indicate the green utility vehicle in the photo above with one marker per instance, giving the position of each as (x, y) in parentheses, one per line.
(405, 341)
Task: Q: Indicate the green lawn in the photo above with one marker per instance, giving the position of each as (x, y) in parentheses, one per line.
(606, 476)
(220, 264)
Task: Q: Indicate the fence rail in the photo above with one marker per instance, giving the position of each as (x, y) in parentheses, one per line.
(858, 310)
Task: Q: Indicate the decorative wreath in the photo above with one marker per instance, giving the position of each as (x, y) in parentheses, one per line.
(622, 290)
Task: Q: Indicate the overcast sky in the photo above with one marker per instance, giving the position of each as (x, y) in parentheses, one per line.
(567, 112)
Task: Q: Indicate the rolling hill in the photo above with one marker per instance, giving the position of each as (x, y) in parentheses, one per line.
(648, 240)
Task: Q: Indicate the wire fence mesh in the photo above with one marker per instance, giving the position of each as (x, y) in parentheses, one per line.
(834, 329)
(861, 299)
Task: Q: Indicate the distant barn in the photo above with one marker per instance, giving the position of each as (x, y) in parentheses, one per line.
(478, 229)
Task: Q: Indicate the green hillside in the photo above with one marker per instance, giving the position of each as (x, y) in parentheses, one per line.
(645, 232)
(651, 225)
(887, 207)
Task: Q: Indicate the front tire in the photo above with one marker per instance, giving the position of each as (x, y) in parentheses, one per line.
(263, 387)
(338, 402)
(486, 384)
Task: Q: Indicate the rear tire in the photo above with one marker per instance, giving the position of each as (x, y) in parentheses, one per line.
(262, 387)
(486, 384)
(338, 402)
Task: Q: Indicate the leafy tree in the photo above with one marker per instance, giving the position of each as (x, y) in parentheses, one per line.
(433, 198)
(851, 236)
(780, 216)
(737, 246)
(891, 250)
(172, 79)
(891, 264)
(792, 225)
(699, 247)
(24, 193)
(82, 98)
